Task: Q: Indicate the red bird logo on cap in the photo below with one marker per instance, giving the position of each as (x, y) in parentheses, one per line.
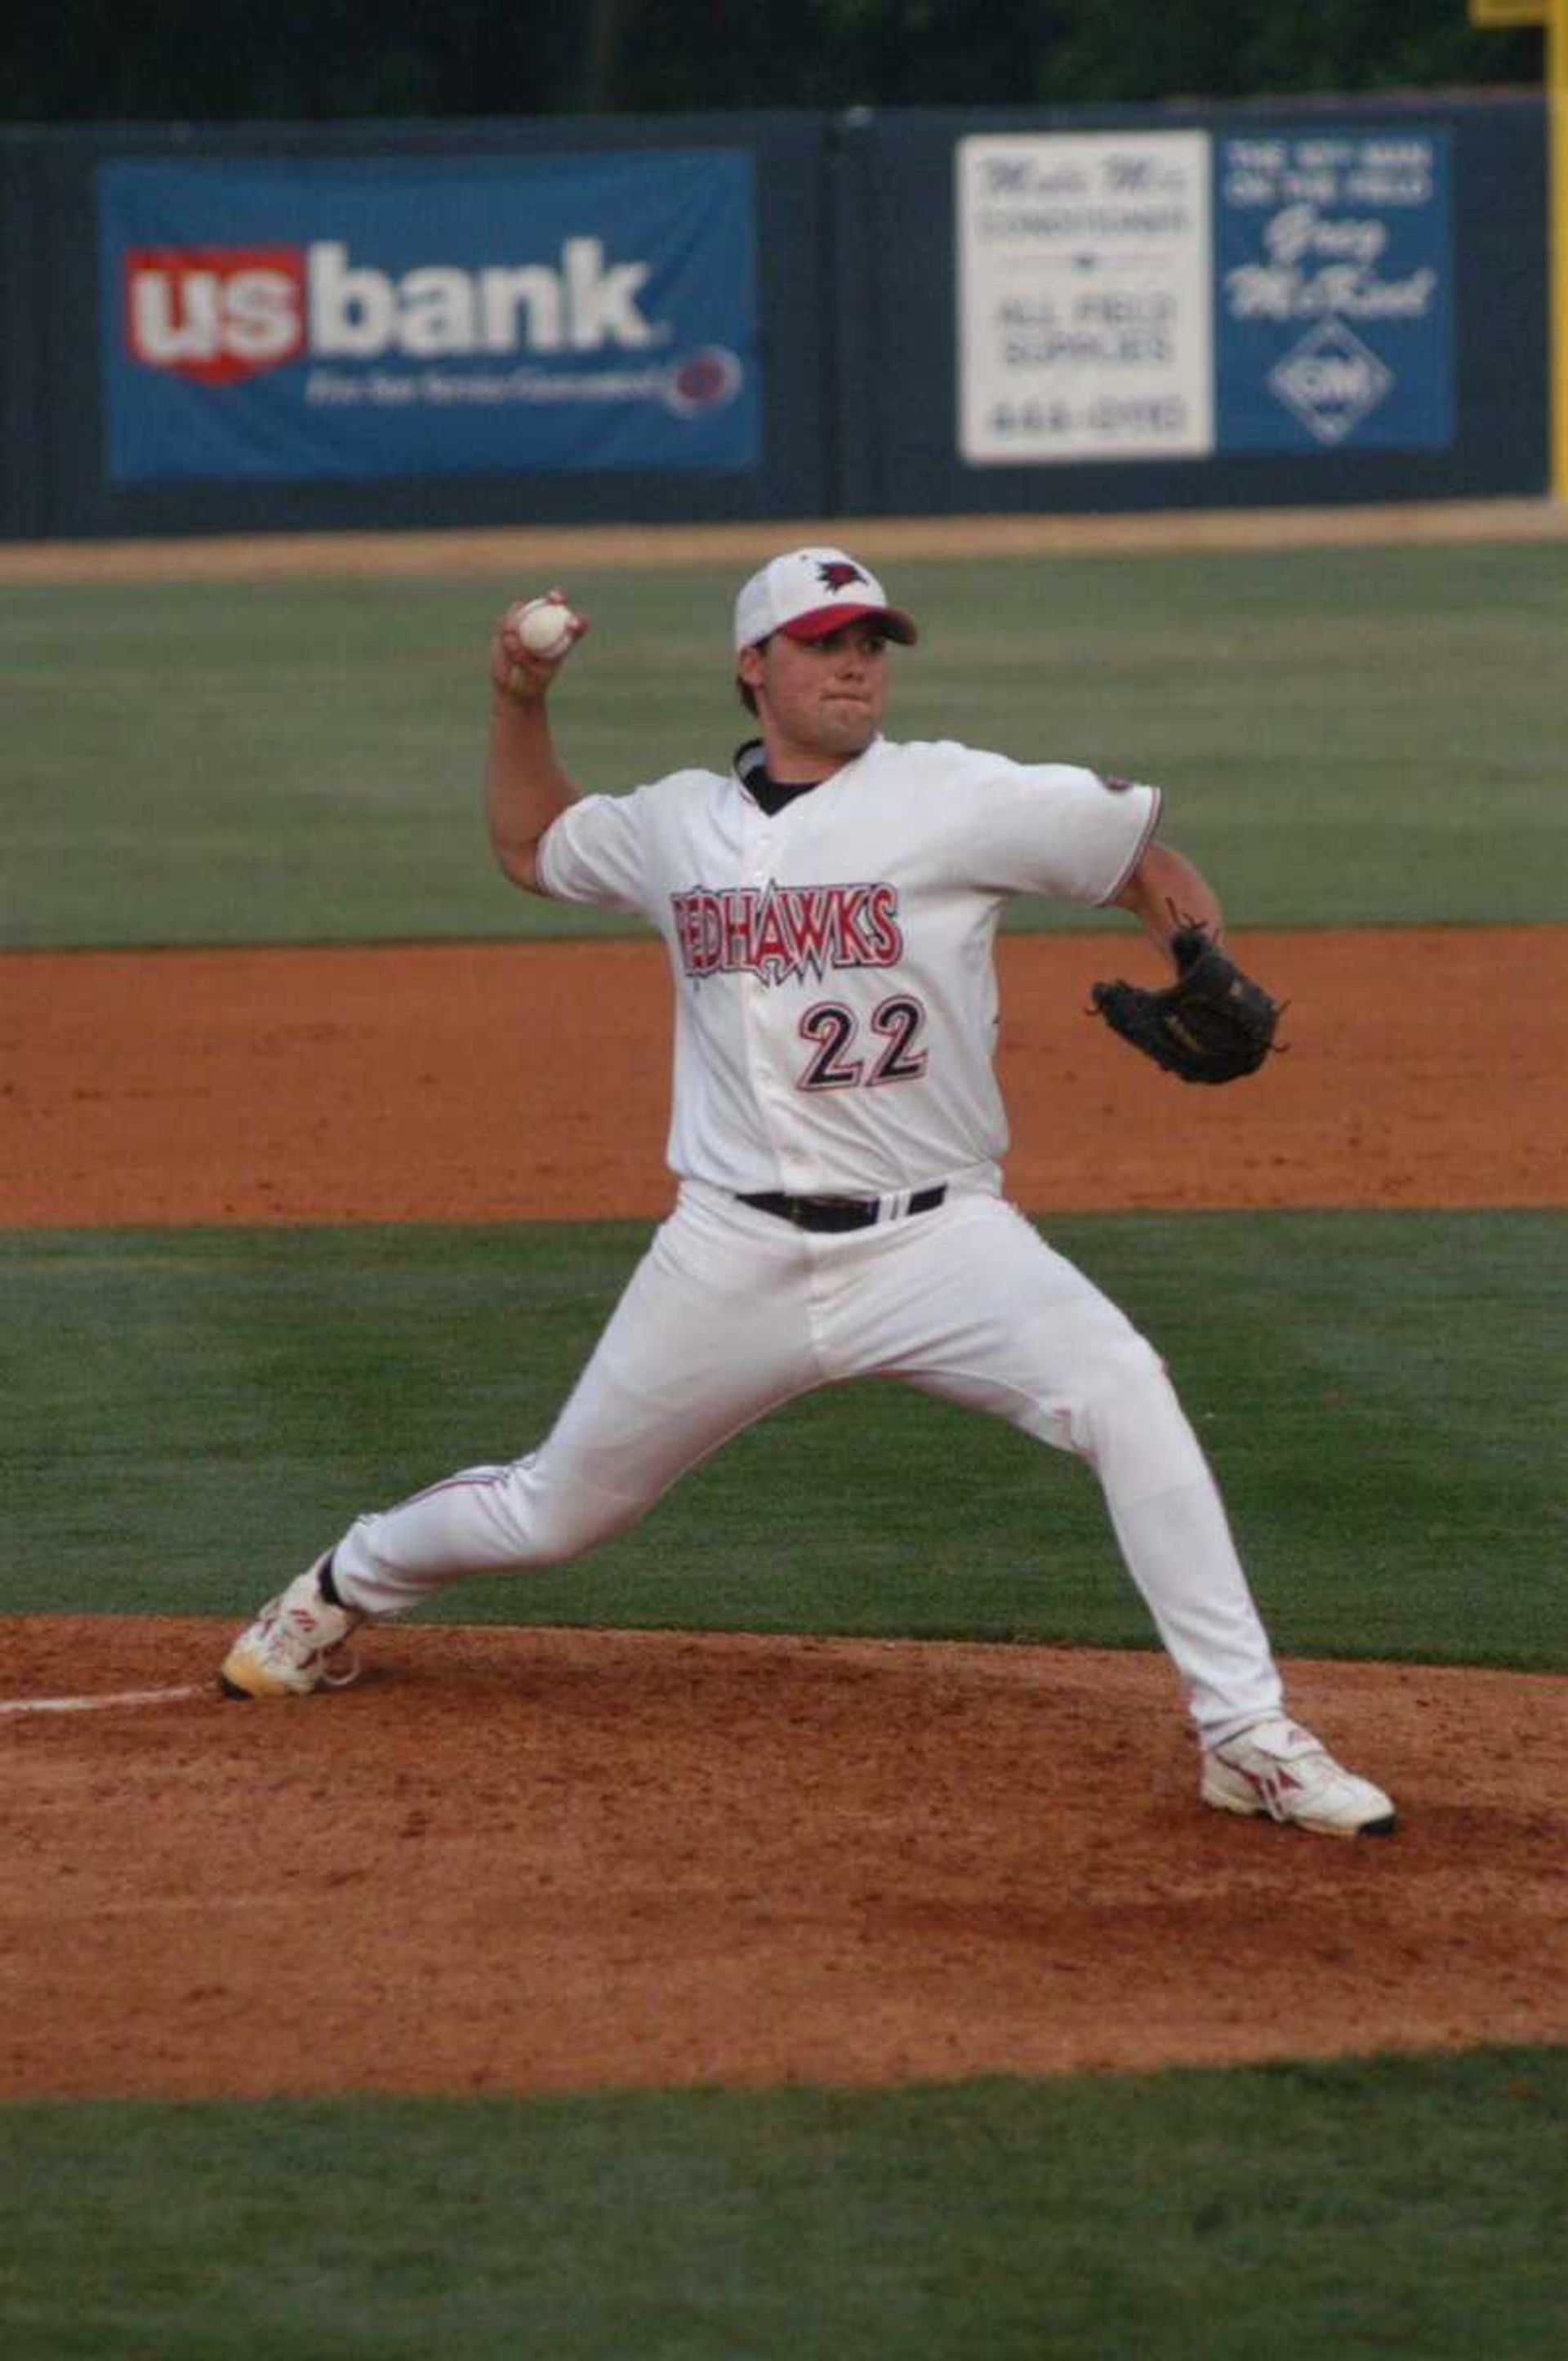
(837, 575)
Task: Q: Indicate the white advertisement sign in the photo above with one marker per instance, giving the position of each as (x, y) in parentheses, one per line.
(1085, 296)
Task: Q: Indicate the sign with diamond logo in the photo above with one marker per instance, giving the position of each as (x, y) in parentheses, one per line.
(1335, 289)
(1332, 381)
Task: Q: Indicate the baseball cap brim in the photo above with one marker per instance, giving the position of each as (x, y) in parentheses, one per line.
(892, 621)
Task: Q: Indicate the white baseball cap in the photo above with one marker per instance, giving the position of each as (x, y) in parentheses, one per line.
(811, 592)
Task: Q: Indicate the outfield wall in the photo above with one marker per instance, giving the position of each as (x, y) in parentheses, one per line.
(642, 320)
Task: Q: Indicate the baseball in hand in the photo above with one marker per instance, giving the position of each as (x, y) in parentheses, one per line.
(545, 627)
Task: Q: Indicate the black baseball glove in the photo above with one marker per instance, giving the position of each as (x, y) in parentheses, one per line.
(1212, 1025)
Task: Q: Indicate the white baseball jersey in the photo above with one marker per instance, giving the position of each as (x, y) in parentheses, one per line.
(836, 995)
(836, 1021)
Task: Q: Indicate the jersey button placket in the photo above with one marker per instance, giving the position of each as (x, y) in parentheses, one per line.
(760, 1020)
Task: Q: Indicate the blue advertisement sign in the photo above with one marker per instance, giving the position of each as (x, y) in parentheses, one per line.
(1335, 291)
(290, 321)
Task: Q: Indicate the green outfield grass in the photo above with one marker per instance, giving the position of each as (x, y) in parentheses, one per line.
(204, 1410)
(1350, 2210)
(1346, 737)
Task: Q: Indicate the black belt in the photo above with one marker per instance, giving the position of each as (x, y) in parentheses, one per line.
(838, 1212)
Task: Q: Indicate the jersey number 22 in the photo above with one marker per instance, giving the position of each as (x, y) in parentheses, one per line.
(834, 1030)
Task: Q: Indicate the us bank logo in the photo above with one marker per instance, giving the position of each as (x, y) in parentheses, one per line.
(281, 319)
(1330, 381)
(221, 316)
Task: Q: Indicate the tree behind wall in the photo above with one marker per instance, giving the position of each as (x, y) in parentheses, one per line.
(98, 61)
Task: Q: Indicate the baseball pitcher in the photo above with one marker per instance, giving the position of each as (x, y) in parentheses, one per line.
(829, 905)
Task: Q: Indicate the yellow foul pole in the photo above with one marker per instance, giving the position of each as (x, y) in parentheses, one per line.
(1552, 16)
(1556, 79)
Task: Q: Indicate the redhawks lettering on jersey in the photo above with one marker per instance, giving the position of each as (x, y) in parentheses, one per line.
(779, 931)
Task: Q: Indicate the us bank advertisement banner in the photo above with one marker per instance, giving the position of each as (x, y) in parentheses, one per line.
(1168, 294)
(1084, 292)
(290, 321)
(1335, 297)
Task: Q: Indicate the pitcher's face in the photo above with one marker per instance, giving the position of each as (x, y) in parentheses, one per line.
(821, 702)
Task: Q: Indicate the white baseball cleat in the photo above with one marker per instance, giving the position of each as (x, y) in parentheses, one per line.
(296, 1645)
(1279, 1768)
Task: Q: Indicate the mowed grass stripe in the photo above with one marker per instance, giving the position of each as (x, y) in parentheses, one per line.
(196, 1413)
(1345, 737)
(1410, 2205)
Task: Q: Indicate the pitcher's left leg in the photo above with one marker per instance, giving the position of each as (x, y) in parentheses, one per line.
(978, 1309)
(996, 1320)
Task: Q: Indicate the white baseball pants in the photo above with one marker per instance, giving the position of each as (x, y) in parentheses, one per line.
(733, 1311)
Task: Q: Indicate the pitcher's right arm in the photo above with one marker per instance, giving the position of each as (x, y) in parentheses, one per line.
(525, 785)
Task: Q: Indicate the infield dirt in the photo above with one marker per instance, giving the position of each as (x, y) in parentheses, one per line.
(431, 1083)
(538, 1859)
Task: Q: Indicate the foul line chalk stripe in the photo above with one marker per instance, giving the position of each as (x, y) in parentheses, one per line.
(98, 1704)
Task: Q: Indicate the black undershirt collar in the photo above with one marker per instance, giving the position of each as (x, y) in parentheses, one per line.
(772, 794)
